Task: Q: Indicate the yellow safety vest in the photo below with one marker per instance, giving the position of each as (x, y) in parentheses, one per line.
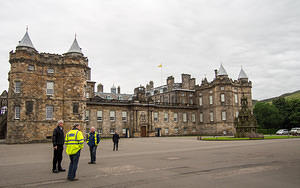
(74, 141)
(88, 138)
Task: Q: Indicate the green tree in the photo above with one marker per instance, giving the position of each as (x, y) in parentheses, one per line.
(267, 115)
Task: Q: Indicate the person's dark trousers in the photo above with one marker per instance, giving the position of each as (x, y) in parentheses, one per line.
(116, 146)
(73, 165)
(57, 157)
(93, 150)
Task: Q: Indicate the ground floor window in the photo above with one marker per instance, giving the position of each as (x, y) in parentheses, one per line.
(49, 112)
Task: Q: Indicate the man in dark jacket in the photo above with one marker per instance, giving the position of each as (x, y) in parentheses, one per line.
(58, 140)
(93, 139)
(115, 139)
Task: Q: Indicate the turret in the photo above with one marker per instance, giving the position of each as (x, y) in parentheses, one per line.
(243, 76)
(25, 43)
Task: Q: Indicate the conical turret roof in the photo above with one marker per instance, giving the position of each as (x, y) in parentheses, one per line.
(222, 71)
(242, 74)
(75, 47)
(26, 42)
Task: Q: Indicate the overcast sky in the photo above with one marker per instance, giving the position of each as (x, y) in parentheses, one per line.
(125, 40)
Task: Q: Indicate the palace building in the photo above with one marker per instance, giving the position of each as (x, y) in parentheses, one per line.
(45, 88)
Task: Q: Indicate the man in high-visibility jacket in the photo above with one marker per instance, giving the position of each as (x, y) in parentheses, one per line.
(74, 141)
(93, 139)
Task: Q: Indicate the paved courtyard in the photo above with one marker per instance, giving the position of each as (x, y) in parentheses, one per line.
(160, 162)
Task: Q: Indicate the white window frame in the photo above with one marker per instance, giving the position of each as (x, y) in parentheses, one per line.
(124, 116)
(193, 118)
(223, 115)
(236, 98)
(112, 131)
(211, 116)
(184, 117)
(155, 116)
(99, 115)
(200, 101)
(211, 99)
(222, 97)
(49, 112)
(17, 86)
(201, 117)
(175, 117)
(17, 112)
(112, 115)
(166, 117)
(49, 88)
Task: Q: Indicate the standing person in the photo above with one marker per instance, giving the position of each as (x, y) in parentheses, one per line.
(116, 139)
(58, 140)
(93, 139)
(74, 142)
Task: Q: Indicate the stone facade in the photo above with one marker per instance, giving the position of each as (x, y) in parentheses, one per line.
(45, 88)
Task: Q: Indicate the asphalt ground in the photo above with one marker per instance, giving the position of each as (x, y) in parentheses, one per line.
(160, 162)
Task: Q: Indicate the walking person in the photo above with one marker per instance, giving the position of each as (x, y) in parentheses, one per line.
(74, 142)
(116, 139)
(93, 139)
(58, 140)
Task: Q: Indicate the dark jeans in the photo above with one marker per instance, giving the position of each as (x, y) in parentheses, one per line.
(116, 146)
(57, 157)
(93, 150)
(73, 165)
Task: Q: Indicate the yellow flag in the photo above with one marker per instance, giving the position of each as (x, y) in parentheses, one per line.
(160, 66)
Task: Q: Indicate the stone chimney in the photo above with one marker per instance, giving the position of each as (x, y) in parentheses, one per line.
(185, 78)
(216, 73)
(192, 83)
(170, 83)
(119, 90)
(100, 88)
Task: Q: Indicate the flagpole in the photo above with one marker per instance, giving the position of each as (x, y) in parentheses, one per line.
(161, 76)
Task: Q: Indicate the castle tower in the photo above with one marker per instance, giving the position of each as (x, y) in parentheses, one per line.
(44, 88)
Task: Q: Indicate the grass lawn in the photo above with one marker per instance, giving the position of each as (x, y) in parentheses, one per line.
(225, 138)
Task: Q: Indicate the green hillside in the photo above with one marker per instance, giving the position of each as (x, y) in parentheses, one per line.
(293, 95)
